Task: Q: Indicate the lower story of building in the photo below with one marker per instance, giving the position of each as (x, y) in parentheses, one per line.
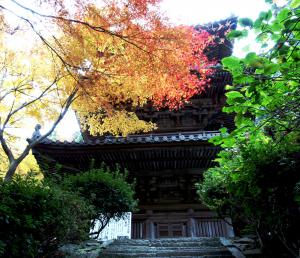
(165, 170)
(191, 222)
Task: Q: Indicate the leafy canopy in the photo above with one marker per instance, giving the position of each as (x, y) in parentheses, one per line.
(104, 60)
(108, 192)
(36, 217)
(257, 176)
(119, 54)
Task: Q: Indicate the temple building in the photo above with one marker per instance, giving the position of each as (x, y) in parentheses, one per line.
(167, 162)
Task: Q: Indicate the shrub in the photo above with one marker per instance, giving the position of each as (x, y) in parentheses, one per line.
(257, 173)
(259, 188)
(106, 190)
(36, 217)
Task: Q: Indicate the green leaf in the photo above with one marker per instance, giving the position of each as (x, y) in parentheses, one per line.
(237, 34)
(228, 142)
(295, 3)
(234, 95)
(283, 14)
(223, 130)
(259, 71)
(297, 35)
(265, 15)
(228, 109)
(235, 177)
(271, 68)
(229, 87)
(246, 22)
(296, 55)
(257, 23)
(231, 62)
(253, 60)
(276, 26)
(250, 57)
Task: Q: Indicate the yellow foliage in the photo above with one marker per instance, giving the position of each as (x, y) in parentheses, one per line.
(119, 52)
(110, 57)
(29, 164)
(127, 52)
(119, 123)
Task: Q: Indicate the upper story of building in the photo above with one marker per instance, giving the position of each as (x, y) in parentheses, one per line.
(204, 111)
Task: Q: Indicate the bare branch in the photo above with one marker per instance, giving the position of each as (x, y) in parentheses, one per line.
(6, 148)
(66, 107)
(31, 144)
(26, 104)
(95, 28)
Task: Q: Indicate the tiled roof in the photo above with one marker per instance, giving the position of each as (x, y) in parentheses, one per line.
(150, 152)
(141, 138)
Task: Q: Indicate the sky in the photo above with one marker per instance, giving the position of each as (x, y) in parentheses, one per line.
(192, 12)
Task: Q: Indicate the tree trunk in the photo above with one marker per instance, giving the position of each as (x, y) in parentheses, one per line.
(11, 171)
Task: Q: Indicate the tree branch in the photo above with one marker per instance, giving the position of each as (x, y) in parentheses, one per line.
(6, 148)
(31, 144)
(95, 28)
(24, 105)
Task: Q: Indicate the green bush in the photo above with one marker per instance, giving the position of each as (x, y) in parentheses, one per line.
(106, 190)
(35, 217)
(258, 187)
(257, 176)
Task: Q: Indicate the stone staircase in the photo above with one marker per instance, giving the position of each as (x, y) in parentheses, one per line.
(167, 247)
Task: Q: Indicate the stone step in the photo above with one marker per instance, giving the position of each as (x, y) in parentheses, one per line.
(164, 249)
(177, 239)
(171, 247)
(161, 247)
(145, 255)
(171, 242)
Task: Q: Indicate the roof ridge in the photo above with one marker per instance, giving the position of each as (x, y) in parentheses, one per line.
(141, 138)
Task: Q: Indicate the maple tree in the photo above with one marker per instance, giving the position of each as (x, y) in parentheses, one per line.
(103, 59)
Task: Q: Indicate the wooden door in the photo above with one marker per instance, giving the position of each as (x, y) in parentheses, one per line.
(171, 229)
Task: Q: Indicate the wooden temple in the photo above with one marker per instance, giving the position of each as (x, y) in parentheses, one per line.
(166, 163)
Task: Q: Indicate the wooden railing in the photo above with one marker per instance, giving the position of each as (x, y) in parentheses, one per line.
(211, 228)
(195, 227)
(138, 229)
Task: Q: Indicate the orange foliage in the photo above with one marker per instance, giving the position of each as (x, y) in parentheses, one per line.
(105, 57)
(127, 52)
(130, 53)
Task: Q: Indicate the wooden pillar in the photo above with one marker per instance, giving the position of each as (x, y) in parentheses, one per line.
(191, 227)
(150, 229)
(191, 224)
(229, 228)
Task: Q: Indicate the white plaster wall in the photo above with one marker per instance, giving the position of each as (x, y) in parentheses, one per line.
(115, 229)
